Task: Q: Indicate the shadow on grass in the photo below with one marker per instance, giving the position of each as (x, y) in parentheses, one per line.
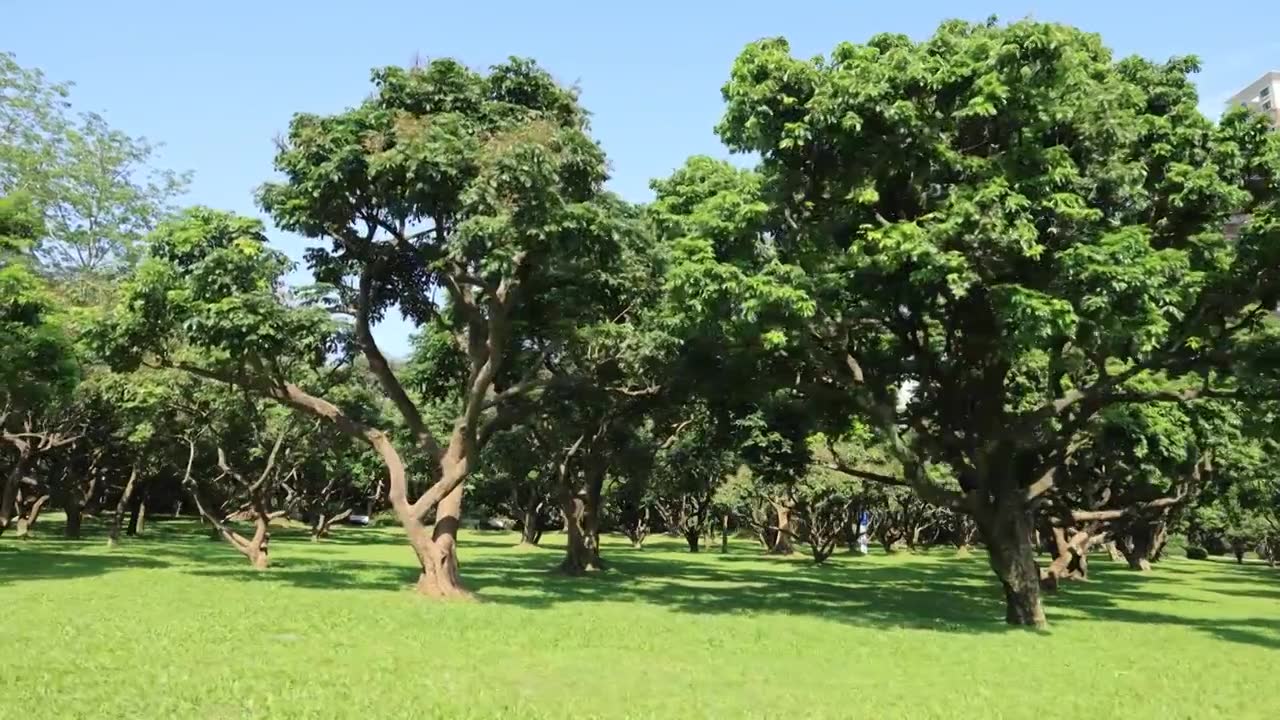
(934, 591)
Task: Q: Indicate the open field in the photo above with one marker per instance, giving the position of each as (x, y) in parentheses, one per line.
(175, 625)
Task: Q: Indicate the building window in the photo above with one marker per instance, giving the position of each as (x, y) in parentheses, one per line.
(1266, 105)
(1265, 92)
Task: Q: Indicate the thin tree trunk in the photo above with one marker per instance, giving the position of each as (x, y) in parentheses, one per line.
(782, 543)
(1071, 559)
(324, 522)
(28, 521)
(75, 516)
(531, 521)
(9, 498)
(137, 515)
(113, 537)
(1005, 525)
(1113, 551)
(724, 534)
(638, 529)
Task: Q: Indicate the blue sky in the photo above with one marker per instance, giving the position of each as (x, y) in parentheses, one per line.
(217, 81)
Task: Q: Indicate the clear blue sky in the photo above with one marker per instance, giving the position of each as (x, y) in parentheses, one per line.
(216, 81)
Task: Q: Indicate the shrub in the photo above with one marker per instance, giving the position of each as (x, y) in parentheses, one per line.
(1197, 553)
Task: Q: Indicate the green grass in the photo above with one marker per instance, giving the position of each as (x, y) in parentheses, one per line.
(172, 625)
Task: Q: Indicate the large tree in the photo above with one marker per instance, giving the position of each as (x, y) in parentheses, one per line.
(463, 200)
(1018, 230)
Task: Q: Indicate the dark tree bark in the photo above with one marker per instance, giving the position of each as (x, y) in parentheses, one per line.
(80, 495)
(113, 536)
(9, 496)
(1004, 523)
(531, 525)
(724, 534)
(581, 516)
(75, 521)
(636, 527)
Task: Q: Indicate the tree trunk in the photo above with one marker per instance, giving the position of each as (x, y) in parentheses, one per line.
(531, 522)
(1071, 559)
(638, 529)
(724, 534)
(440, 557)
(582, 546)
(1137, 549)
(28, 521)
(692, 537)
(782, 543)
(320, 529)
(113, 537)
(9, 497)
(75, 516)
(1159, 539)
(582, 523)
(257, 549)
(1113, 552)
(1005, 525)
(137, 515)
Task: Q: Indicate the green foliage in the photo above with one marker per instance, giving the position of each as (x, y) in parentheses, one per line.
(449, 181)
(1013, 226)
(92, 183)
(37, 362)
(103, 200)
(209, 293)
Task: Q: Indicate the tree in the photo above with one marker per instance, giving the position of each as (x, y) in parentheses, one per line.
(92, 184)
(1015, 231)
(1239, 507)
(466, 200)
(517, 480)
(32, 122)
(102, 200)
(252, 472)
(38, 368)
(689, 469)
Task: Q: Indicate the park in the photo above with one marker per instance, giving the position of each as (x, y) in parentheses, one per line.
(951, 389)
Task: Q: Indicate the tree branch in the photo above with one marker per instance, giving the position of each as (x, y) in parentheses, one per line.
(382, 370)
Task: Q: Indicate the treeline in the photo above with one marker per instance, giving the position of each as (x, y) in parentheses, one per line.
(993, 288)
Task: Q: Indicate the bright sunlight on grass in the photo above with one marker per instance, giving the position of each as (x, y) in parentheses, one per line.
(175, 625)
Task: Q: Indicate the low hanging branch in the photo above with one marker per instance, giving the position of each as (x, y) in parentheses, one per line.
(915, 480)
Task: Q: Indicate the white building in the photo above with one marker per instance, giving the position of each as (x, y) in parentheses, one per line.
(1262, 95)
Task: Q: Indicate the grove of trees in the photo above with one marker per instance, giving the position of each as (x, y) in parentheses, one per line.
(996, 289)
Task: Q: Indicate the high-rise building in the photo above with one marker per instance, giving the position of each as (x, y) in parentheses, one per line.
(1262, 95)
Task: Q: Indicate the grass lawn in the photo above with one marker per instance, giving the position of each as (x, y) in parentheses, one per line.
(172, 625)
